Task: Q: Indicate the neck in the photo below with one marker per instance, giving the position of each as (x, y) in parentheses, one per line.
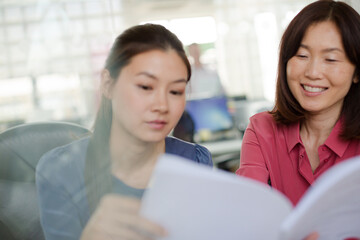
(317, 128)
(133, 160)
(129, 155)
(197, 63)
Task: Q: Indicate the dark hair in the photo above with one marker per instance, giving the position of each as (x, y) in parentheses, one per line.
(133, 41)
(287, 109)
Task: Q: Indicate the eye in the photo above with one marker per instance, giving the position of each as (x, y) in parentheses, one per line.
(178, 93)
(145, 87)
(330, 60)
(301, 56)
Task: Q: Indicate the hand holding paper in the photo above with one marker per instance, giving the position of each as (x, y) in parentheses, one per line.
(197, 202)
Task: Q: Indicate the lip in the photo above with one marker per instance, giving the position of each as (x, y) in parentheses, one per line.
(157, 124)
(311, 90)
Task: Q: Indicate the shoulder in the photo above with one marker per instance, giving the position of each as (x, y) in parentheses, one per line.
(264, 118)
(61, 191)
(264, 129)
(67, 160)
(192, 151)
(263, 122)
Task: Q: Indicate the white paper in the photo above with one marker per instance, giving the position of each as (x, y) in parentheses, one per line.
(196, 202)
(331, 207)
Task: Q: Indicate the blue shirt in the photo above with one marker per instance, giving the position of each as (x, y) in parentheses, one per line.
(63, 204)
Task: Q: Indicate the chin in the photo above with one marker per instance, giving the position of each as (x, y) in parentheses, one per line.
(312, 110)
(153, 138)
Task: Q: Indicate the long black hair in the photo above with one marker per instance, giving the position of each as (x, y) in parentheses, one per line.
(135, 40)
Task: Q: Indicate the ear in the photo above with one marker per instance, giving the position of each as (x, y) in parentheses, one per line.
(355, 77)
(355, 80)
(106, 83)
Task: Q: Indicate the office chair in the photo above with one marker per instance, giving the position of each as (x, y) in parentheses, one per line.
(185, 128)
(21, 147)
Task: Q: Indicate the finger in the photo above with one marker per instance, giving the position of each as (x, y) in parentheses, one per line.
(133, 221)
(122, 232)
(108, 227)
(125, 210)
(147, 227)
(122, 218)
(117, 214)
(312, 236)
(114, 202)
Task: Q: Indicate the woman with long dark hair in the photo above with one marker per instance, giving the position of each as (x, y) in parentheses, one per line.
(92, 188)
(315, 123)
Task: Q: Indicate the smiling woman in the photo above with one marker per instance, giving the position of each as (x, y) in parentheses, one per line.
(315, 123)
(92, 188)
(316, 100)
(320, 74)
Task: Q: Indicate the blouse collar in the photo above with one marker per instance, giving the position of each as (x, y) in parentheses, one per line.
(334, 141)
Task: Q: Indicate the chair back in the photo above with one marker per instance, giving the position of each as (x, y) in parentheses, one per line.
(21, 147)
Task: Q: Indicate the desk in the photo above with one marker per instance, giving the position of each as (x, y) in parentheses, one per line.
(224, 150)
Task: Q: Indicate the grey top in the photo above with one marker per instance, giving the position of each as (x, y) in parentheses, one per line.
(60, 183)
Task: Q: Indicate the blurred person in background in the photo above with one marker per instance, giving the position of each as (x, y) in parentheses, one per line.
(205, 82)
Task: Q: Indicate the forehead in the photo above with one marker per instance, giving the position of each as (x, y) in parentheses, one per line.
(158, 58)
(155, 53)
(325, 34)
(159, 63)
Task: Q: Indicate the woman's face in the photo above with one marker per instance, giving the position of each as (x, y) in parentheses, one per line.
(320, 74)
(148, 98)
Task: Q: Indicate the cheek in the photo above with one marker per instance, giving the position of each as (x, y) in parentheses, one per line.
(290, 69)
(179, 107)
(130, 98)
(347, 74)
(125, 103)
(291, 74)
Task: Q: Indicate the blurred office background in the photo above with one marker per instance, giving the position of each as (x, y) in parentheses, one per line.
(52, 51)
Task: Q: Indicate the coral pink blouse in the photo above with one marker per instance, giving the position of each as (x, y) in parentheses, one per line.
(275, 152)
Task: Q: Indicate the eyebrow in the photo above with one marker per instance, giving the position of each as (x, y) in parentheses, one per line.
(324, 50)
(152, 76)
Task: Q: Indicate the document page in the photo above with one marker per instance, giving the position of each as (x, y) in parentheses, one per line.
(197, 202)
(331, 206)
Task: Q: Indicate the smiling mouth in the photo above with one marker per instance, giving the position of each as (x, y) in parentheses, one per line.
(313, 89)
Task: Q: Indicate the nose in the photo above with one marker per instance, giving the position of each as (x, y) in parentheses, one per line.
(160, 102)
(313, 69)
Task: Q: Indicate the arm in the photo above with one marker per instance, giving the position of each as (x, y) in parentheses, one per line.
(59, 216)
(116, 217)
(203, 155)
(252, 161)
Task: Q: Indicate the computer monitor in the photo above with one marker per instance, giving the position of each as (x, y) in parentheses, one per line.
(210, 114)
